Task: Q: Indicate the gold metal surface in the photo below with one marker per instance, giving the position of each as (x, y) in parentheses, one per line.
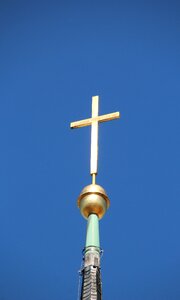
(93, 199)
(94, 136)
(100, 119)
(94, 122)
(93, 178)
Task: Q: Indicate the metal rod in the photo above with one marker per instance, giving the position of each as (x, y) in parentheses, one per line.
(93, 178)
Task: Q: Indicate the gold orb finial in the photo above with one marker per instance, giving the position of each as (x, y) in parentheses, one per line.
(93, 200)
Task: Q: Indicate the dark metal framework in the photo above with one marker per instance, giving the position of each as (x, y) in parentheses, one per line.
(91, 283)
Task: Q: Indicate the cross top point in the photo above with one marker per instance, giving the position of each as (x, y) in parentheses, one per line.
(94, 122)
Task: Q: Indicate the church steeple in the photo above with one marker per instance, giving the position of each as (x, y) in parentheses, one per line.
(93, 203)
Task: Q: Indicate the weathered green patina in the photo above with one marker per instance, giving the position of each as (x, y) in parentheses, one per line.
(92, 235)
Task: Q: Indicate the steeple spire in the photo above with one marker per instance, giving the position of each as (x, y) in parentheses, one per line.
(93, 203)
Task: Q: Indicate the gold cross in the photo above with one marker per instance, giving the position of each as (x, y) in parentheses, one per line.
(94, 122)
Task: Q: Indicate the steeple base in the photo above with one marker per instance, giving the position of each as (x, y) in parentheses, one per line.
(91, 283)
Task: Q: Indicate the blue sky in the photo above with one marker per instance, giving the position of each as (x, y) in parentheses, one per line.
(55, 55)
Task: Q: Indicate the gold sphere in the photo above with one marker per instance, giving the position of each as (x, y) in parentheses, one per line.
(93, 200)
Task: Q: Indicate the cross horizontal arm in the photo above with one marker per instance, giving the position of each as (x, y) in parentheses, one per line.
(103, 118)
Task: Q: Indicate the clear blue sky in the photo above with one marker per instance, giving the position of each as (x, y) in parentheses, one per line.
(55, 55)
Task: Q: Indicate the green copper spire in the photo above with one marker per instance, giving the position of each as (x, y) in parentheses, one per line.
(92, 235)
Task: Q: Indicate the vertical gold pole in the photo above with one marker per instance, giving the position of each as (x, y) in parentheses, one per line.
(93, 178)
(94, 136)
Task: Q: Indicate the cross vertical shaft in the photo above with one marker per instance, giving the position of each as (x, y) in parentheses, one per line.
(94, 138)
